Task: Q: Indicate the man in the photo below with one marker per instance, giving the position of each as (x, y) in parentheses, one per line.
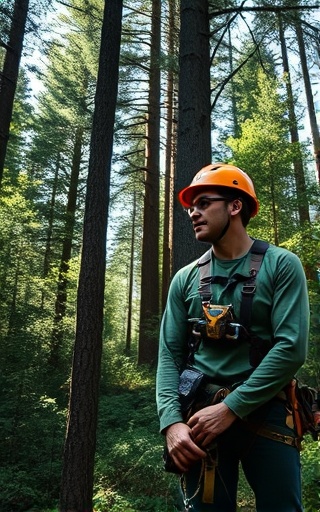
(254, 362)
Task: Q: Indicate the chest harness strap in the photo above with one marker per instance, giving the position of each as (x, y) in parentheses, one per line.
(257, 252)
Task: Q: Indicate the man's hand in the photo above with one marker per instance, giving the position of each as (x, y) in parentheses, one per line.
(209, 422)
(181, 446)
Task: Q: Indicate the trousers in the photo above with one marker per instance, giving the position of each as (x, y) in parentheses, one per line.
(271, 467)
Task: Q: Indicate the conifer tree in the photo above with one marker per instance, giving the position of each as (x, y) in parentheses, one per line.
(170, 148)
(9, 74)
(303, 206)
(194, 117)
(150, 298)
(79, 452)
(298, 25)
(264, 151)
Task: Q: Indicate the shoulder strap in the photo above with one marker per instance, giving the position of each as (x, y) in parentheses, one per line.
(204, 265)
(258, 250)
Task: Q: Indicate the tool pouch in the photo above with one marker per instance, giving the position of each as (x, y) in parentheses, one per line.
(189, 382)
(305, 408)
(195, 393)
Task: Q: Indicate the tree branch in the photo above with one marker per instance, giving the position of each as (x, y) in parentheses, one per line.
(267, 8)
(234, 72)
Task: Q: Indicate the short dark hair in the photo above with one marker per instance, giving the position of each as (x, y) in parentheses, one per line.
(230, 194)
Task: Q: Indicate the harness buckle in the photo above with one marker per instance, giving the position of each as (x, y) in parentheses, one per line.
(248, 289)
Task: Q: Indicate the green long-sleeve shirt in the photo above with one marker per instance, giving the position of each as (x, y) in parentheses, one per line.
(280, 310)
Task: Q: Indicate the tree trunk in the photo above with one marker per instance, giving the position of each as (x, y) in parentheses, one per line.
(131, 270)
(48, 242)
(150, 299)
(194, 121)
(46, 261)
(61, 297)
(80, 444)
(236, 127)
(9, 74)
(303, 206)
(169, 162)
(309, 96)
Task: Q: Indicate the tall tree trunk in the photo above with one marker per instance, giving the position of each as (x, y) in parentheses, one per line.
(307, 84)
(80, 444)
(46, 261)
(150, 292)
(169, 162)
(303, 206)
(194, 121)
(12, 324)
(47, 253)
(131, 269)
(275, 222)
(236, 127)
(9, 74)
(61, 296)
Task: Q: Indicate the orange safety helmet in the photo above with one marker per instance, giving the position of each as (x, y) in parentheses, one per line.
(220, 175)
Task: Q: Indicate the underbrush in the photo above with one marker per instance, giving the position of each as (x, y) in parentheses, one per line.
(129, 471)
(129, 475)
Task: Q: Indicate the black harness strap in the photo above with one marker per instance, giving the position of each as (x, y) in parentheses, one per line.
(204, 265)
(258, 250)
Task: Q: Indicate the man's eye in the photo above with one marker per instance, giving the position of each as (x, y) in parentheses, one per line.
(203, 204)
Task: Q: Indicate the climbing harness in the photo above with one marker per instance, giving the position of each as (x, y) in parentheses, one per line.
(218, 321)
(257, 252)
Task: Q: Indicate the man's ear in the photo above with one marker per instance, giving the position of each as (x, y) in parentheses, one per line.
(236, 207)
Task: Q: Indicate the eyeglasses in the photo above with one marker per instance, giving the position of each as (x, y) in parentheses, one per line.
(204, 203)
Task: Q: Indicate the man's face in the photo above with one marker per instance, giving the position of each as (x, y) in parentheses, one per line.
(209, 215)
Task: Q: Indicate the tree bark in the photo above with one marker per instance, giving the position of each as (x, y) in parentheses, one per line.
(194, 121)
(46, 262)
(169, 162)
(309, 96)
(80, 444)
(131, 272)
(9, 74)
(61, 296)
(303, 206)
(150, 299)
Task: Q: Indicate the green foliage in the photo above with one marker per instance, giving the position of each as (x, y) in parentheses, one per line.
(129, 473)
(20, 124)
(264, 151)
(310, 462)
(119, 371)
(30, 450)
(306, 244)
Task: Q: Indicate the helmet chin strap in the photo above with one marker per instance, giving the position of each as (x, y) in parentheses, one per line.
(223, 232)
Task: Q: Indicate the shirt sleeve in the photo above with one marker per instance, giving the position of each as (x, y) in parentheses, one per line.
(290, 327)
(173, 348)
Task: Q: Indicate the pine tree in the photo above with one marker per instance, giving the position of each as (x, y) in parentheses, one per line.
(9, 74)
(264, 151)
(79, 452)
(194, 118)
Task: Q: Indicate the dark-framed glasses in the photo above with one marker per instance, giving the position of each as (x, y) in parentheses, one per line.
(203, 203)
